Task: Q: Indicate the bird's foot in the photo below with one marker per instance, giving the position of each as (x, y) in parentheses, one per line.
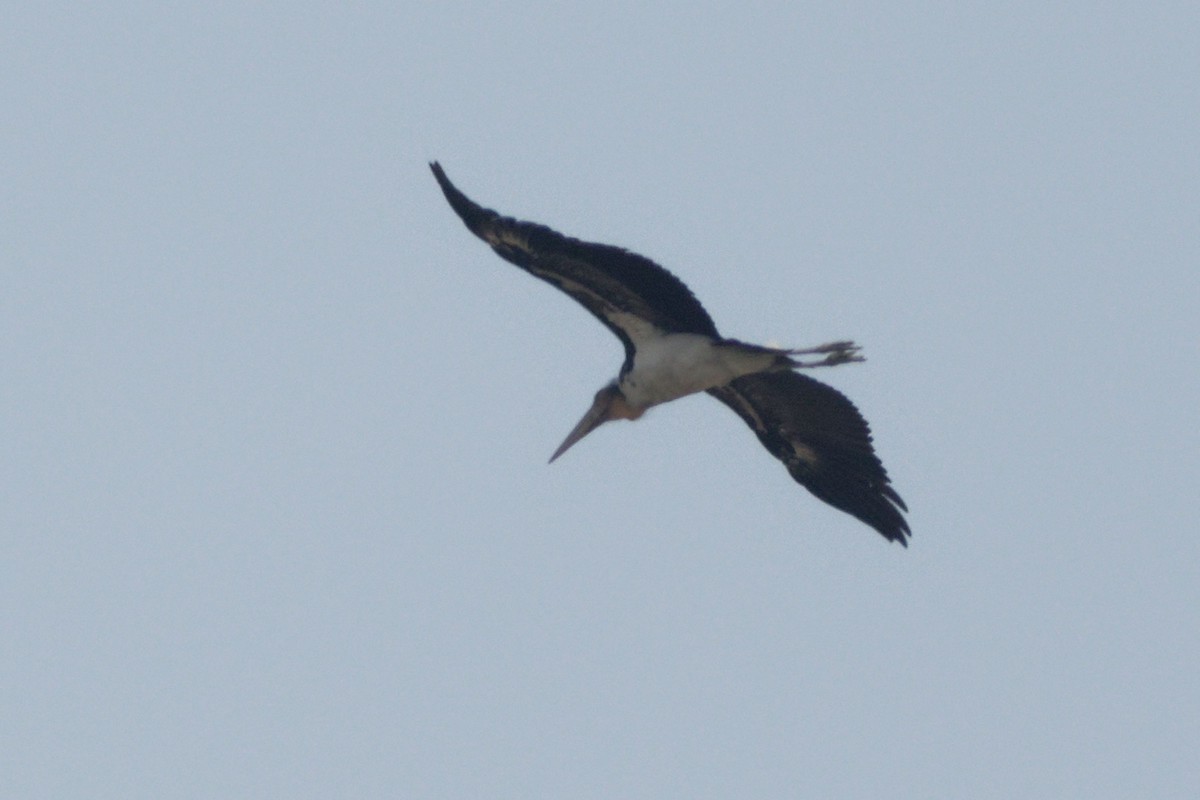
(828, 347)
(835, 353)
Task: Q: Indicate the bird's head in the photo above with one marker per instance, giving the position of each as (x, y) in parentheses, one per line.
(609, 404)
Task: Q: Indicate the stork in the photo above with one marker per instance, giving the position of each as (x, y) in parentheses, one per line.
(672, 349)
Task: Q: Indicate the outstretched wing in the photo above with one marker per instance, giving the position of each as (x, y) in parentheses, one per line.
(823, 441)
(630, 294)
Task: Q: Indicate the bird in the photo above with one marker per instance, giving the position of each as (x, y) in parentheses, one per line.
(673, 349)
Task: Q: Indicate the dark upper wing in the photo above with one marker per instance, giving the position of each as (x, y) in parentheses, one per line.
(630, 294)
(824, 442)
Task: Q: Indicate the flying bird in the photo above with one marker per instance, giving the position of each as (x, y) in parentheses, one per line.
(672, 349)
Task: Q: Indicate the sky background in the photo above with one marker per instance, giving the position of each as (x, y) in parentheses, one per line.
(275, 514)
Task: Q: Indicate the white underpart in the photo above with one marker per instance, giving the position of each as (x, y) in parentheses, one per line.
(674, 365)
(641, 332)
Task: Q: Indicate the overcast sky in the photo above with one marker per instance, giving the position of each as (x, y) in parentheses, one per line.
(275, 514)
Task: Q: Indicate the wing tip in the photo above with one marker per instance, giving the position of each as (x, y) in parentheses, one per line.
(895, 528)
(898, 531)
(471, 213)
(879, 510)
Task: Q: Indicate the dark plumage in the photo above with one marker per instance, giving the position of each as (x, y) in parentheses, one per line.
(813, 429)
(823, 441)
(604, 278)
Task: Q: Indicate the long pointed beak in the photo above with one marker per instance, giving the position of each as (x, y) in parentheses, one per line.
(595, 416)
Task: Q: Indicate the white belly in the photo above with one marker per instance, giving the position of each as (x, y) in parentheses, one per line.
(668, 367)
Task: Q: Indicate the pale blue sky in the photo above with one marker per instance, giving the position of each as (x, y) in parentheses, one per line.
(276, 518)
